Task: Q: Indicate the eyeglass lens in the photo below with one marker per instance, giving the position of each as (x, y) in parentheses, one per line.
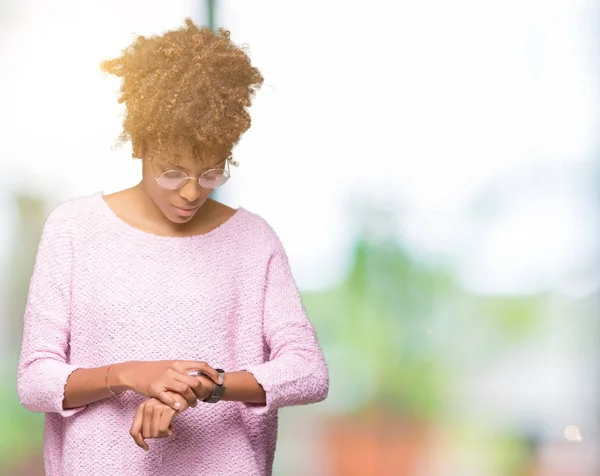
(173, 179)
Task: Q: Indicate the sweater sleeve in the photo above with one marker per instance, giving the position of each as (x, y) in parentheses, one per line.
(43, 367)
(296, 372)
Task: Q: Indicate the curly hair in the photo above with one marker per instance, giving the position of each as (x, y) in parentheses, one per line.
(189, 88)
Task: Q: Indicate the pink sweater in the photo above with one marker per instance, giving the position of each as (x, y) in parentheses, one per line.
(104, 292)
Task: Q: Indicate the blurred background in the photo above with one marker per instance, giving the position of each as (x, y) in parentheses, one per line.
(432, 168)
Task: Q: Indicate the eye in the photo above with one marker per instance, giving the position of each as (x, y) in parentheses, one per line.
(174, 174)
(172, 179)
(213, 178)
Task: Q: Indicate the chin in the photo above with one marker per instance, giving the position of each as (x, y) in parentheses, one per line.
(180, 216)
(175, 218)
(179, 220)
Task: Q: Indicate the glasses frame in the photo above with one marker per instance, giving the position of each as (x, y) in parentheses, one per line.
(185, 181)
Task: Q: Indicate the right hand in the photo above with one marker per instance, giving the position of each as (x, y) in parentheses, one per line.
(153, 419)
(155, 379)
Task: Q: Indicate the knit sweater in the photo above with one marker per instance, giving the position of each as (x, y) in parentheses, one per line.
(104, 292)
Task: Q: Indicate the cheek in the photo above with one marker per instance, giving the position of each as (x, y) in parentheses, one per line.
(161, 198)
(205, 194)
(164, 199)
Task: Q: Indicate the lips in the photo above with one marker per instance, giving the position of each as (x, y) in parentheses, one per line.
(185, 212)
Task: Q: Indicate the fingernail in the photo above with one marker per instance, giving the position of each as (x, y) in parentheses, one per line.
(177, 405)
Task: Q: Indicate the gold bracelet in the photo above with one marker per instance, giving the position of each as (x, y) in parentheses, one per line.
(107, 385)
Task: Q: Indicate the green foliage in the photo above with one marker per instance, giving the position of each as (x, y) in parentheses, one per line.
(22, 431)
(401, 316)
(514, 316)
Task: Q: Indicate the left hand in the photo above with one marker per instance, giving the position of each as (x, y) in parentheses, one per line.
(153, 418)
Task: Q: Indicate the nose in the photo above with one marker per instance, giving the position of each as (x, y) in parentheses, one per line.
(191, 191)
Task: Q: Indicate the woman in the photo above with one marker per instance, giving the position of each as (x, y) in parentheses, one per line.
(156, 313)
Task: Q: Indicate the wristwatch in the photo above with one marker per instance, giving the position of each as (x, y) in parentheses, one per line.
(218, 389)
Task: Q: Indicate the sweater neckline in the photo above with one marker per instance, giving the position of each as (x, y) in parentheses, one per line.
(222, 228)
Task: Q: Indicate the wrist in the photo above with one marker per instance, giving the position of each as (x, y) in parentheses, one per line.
(217, 389)
(118, 377)
(207, 387)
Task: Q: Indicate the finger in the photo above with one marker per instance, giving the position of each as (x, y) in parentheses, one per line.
(168, 400)
(191, 386)
(190, 381)
(203, 366)
(154, 424)
(183, 388)
(203, 388)
(191, 397)
(165, 429)
(147, 421)
(210, 372)
(136, 428)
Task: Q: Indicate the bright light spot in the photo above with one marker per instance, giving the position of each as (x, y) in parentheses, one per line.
(572, 433)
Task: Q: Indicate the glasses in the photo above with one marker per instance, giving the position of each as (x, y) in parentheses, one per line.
(174, 179)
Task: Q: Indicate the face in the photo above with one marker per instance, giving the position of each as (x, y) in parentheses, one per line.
(179, 205)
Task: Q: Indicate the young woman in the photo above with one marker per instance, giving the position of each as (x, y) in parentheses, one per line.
(157, 313)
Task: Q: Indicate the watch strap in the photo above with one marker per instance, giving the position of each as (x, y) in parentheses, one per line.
(218, 389)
